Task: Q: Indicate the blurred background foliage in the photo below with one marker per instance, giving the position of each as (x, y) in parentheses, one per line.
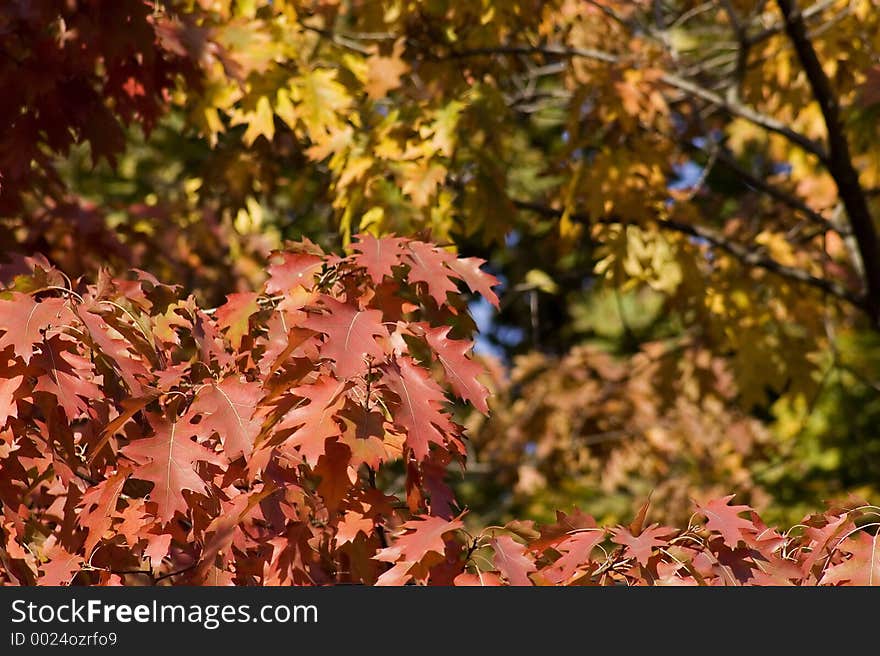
(685, 297)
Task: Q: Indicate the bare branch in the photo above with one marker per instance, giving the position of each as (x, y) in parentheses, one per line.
(693, 13)
(742, 51)
(613, 15)
(553, 50)
(330, 35)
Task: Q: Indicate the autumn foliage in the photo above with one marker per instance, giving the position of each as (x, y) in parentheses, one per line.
(89, 73)
(241, 443)
(246, 246)
(147, 440)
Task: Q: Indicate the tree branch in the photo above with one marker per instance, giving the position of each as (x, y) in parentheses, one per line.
(730, 106)
(807, 13)
(839, 164)
(330, 35)
(740, 110)
(740, 252)
(553, 50)
(774, 192)
(742, 51)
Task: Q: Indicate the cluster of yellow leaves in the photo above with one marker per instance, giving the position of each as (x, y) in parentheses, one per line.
(386, 132)
(631, 255)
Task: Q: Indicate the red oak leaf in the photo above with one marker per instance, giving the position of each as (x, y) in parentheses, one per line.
(566, 525)
(575, 550)
(421, 537)
(211, 344)
(314, 421)
(60, 567)
(8, 405)
(129, 408)
(477, 280)
(99, 505)
(428, 265)
(69, 377)
(863, 565)
(396, 576)
(234, 316)
(157, 547)
(134, 519)
(228, 409)
(775, 570)
(351, 336)
(352, 524)
(364, 434)
(512, 561)
(726, 520)
(375, 504)
(478, 580)
(435, 469)
(377, 256)
(130, 366)
(419, 412)
(673, 574)
(823, 538)
(281, 342)
(333, 469)
(462, 371)
(289, 270)
(641, 546)
(167, 459)
(23, 319)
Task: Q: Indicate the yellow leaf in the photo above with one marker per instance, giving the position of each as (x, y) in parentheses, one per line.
(260, 122)
(778, 246)
(444, 126)
(384, 73)
(320, 98)
(421, 181)
(285, 109)
(372, 221)
(540, 280)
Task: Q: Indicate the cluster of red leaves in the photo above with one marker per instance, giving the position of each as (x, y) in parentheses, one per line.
(145, 439)
(301, 435)
(724, 544)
